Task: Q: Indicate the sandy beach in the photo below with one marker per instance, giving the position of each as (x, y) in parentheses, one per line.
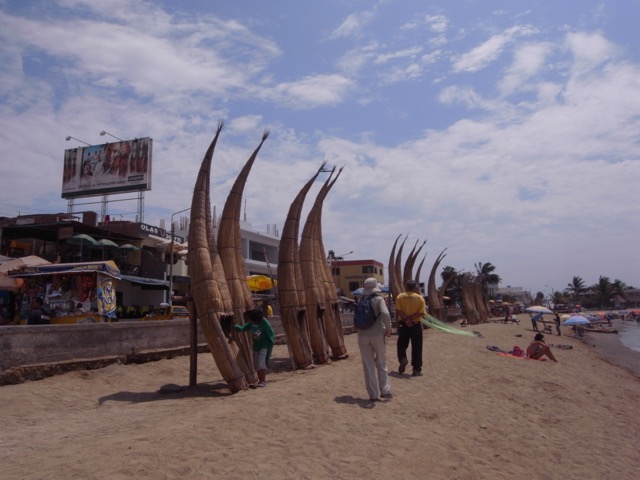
(473, 415)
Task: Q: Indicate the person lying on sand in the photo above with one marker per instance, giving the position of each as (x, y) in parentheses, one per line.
(537, 349)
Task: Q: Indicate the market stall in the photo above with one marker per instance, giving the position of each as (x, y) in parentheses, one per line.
(72, 292)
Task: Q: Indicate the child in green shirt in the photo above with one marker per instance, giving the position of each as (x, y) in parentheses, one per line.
(263, 340)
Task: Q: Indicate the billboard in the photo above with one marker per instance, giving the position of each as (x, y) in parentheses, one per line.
(108, 168)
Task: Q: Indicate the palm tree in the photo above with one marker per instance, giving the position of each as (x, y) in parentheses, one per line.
(486, 275)
(603, 291)
(575, 288)
(447, 272)
(455, 284)
(618, 288)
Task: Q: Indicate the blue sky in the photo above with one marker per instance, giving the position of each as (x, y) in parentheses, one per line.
(506, 132)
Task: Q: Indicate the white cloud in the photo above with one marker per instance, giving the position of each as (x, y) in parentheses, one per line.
(534, 134)
(485, 53)
(590, 50)
(529, 59)
(312, 91)
(352, 25)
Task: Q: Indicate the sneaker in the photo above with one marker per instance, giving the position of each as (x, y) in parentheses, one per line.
(403, 365)
(262, 384)
(386, 395)
(416, 372)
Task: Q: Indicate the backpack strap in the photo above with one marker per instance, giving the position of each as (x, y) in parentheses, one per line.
(374, 305)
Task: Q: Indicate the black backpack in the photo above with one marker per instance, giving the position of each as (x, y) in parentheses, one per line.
(365, 315)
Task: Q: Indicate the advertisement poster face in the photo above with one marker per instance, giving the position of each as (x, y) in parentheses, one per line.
(107, 168)
(106, 294)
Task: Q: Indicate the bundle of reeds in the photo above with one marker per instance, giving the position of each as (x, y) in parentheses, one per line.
(419, 269)
(235, 271)
(398, 267)
(318, 284)
(395, 285)
(204, 288)
(291, 294)
(407, 272)
(434, 301)
(313, 291)
(333, 320)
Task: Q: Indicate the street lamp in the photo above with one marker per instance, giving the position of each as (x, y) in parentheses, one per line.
(104, 132)
(173, 237)
(69, 137)
(551, 298)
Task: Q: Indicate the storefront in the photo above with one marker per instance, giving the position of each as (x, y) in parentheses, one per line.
(72, 292)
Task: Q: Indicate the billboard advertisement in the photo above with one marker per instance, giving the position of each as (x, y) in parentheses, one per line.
(108, 168)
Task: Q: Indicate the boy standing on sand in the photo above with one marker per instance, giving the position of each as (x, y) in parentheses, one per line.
(263, 341)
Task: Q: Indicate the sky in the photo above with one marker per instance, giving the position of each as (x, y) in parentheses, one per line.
(504, 132)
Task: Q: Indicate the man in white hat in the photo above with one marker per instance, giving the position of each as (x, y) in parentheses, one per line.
(372, 343)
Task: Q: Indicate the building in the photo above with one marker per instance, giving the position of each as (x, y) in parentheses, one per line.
(349, 275)
(517, 294)
(151, 260)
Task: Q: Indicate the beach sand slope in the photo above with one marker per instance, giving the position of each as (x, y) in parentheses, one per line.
(473, 415)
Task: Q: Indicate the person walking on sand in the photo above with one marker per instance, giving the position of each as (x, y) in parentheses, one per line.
(410, 309)
(263, 340)
(372, 343)
(538, 348)
(534, 321)
(557, 320)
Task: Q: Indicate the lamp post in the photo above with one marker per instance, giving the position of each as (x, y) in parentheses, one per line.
(551, 298)
(104, 132)
(69, 137)
(173, 237)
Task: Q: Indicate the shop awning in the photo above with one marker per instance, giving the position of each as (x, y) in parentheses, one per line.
(107, 267)
(154, 282)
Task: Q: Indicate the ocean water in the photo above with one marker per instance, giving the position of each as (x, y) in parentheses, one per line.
(629, 334)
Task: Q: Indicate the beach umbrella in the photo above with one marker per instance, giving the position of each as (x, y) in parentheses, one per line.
(28, 261)
(576, 320)
(538, 309)
(106, 243)
(257, 283)
(82, 239)
(128, 247)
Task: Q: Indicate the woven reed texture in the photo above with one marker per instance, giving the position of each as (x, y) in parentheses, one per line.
(407, 271)
(398, 266)
(394, 282)
(204, 289)
(229, 237)
(328, 295)
(312, 278)
(291, 293)
(419, 269)
(436, 305)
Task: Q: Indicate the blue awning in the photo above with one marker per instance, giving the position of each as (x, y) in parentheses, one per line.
(154, 282)
(107, 267)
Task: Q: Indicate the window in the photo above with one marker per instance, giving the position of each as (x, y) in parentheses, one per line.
(335, 271)
(368, 269)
